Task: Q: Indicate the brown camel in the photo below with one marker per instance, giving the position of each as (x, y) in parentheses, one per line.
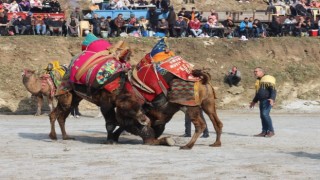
(163, 114)
(38, 87)
(107, 101)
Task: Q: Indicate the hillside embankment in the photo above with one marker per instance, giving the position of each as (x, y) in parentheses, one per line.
(295, 62)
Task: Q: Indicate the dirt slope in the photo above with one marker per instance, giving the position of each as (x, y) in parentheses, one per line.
(293, 61)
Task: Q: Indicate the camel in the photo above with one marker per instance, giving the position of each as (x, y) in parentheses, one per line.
(38, 87)
(163, 114)
(138, 123)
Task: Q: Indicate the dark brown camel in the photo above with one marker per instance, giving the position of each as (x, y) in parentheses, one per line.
(162, 115)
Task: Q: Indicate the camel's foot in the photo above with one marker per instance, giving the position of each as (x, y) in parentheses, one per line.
(37, 114)
(170, 141)
(109, 141)
(53, 136)
(216, 144)
(68, 138)
(185, 148)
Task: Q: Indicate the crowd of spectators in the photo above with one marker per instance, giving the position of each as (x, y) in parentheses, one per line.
(185, 23)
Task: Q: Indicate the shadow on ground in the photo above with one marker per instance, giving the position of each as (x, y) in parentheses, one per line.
(97, 138)
(305, 155)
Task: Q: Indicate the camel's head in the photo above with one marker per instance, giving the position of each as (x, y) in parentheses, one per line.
(27, 73)
(129, 111)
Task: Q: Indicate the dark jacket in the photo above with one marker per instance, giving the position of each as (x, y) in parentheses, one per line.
(264, 93)
(19, 23)
(171, 17)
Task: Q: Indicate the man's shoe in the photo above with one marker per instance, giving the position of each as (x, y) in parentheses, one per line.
(269, 134)
(205, 136)
(185, 135)
(262, 134)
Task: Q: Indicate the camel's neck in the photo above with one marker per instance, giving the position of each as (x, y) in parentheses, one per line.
(32, 83)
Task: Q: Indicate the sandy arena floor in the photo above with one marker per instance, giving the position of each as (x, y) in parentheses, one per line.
(26, 152)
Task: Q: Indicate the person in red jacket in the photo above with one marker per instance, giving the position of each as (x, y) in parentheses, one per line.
(195, 27)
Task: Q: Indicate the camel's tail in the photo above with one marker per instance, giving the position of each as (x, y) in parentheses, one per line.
(203, 75)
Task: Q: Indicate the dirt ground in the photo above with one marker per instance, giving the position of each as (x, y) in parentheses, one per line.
(26, 152)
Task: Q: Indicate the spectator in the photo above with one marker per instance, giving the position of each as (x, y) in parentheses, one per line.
(30, 23)
(171, 21)
(13, 7)
(4, 25)
(73, 25)
(96, 22)
(104, 26)
(122, 5)
(55, 26)
(315, 4)
(257, 28)
(19, 25)
(55, 6)
(144, 24)
(180, 27)
(300, 27)
(64, 27)
(183, 13)
(214, 13)
(276, 27)
(195, 27)
(24, 5)
(40, 25)
(98, 3)
(309, 24)
(229, 26)
(233, 77)
(193, 14)
(245, 27)
(266, 95)
(105, 5)
(46, 7)
(132, 23)
(153, 18)
(209, 26)
(77, 13)
(46, 20)
(163, 26)
(94, 7)
(187, 124)
(119, 24)
(36, 5)
(165, 4)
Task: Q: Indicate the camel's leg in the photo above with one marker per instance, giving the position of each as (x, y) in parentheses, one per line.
(50, 102)
(39, 104)
(117, 134)
(53, 116)
(109, 115)
(195, 115)
(209, 108)
(62, 122)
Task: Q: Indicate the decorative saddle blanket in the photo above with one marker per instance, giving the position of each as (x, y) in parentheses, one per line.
(95, 73)
(183, 92)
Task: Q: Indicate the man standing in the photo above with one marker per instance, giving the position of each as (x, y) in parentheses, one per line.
(266, 95)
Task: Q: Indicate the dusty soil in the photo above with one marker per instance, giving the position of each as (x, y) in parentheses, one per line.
(26, 152)
(293, 61)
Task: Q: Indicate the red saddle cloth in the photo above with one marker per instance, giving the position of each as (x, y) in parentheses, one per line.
(175, 65)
